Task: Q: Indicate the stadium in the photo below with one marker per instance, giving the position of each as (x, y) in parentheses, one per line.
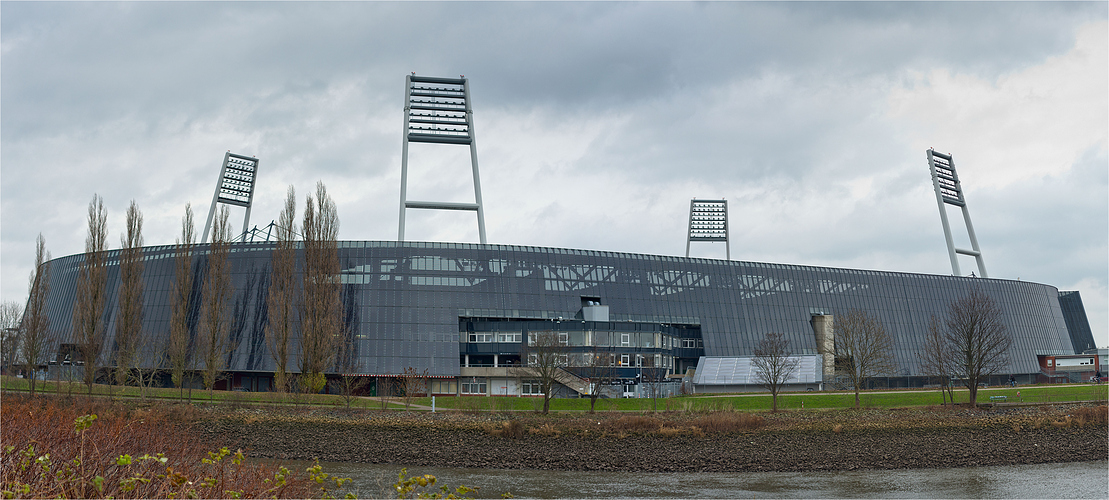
(464, 311)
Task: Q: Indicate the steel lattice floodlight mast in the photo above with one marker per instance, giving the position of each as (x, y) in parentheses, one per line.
(438, 111)
(950, 191)
(708, 221)
(235, 186)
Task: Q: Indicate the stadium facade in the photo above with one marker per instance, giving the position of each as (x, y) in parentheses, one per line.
(463, 311)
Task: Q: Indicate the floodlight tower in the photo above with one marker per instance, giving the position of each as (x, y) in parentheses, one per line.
(235, 186)
(438, 111)
(950, 191)
(708, 221)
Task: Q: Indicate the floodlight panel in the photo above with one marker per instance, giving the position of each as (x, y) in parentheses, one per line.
(237, 182)
(437, 111)
(950, 189)
(708, 221)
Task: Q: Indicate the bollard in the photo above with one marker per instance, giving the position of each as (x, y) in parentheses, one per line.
(433, 404)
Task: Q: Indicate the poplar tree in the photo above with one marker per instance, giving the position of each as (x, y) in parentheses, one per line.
(215, 340)
(129, 316)
(281, 302)
(11, 315)
(179, 353)
(321, 309)
(88, 309)
(36, 325)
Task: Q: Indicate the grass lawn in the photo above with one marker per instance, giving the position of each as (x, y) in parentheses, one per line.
(705, 402)
(9, 383)
(793, 400)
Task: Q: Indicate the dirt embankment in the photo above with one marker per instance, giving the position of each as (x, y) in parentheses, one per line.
(792, 441)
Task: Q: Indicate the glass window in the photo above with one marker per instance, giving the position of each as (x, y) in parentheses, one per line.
(531, 388)
(474, 386)
(481, 337)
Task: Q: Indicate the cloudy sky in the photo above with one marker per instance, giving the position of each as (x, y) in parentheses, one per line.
(596, 124)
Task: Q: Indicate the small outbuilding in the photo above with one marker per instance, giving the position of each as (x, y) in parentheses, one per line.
(720, 374)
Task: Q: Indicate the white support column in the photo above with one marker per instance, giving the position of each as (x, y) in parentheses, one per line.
(215, 198)
(943, 218)
(949, 191)
(404, 155)
(473, 163)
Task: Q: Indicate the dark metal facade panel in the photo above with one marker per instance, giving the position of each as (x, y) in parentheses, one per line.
(1074, 314)
(408, 297)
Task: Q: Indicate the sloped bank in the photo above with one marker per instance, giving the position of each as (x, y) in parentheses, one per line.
(787, 442)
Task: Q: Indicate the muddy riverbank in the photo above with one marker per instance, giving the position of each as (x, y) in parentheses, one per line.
(679, 442)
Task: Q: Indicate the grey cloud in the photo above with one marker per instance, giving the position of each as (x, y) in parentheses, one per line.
(776, 106)
(91, 62)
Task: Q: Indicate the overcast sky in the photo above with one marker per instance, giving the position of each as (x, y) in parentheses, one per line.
(596, 124)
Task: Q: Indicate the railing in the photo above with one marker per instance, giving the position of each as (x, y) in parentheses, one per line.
(1072, 377)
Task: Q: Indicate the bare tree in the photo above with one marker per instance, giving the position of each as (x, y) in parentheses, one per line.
(36, 324)
(863, 348)
(978, 339)
(414, 383)
(179, 353)
(935, 359)
(774, 364)
(11, 315)
(282, 294)
(215, 340)
(130, 314)
(349, 381)
(653, 380)
(321, 309)
(88, 309)
(384, 391)
(600, 370)
(545, 353)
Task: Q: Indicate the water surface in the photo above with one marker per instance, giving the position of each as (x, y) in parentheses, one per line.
(1066, 480)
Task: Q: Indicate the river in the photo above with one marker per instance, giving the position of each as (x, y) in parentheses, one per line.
(1057, 480)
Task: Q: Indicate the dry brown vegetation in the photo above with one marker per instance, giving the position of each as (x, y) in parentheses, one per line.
(46, 455)
(1079, 417)
(513, 429)
(730, 422)
(635, 424)
(546, 430)
(1097, 415)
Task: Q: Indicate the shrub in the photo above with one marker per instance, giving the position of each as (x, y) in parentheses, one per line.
(409, 487)
(729, 422)
(65, 450)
